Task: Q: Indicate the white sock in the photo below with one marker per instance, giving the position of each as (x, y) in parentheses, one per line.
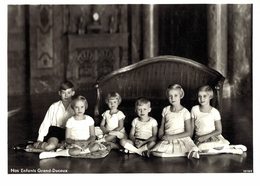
(45, 155)
(224, 150)
(132, 148)
(193, 153)
(242, 147)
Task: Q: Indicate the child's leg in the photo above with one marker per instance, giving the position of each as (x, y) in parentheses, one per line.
(151, 144)
(110, 138)
(84, 148)
(146, 148)
(242, 147)
(128, 144)
(118, 134)
(113, 145)
(45, 155)
(220, 151)
(99, 132)
(166, 155)
(93, 147)
(51, 144)
(75, 151)
(193, 154)
(193, 150)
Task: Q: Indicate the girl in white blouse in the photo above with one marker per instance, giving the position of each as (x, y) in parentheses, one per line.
(175, 131)
(112, 124)
(206, 121)
(80, 132)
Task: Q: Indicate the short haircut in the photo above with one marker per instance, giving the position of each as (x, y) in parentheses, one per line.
(113, 95)
(175, 87)
(142, 101)
(208, 89)
(79, 98)
(66, 85)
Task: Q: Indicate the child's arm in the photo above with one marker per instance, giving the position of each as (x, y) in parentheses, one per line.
(154, 136)
(216, 132)
(193, 115)
(92, 133)
(120, 125)
(46, 123)
(102, 126)
(192, 126)
(68, 136)
(161, 130)
(132, 134)
(187, 132)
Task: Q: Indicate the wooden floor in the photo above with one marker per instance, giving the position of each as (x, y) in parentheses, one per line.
(23, 126)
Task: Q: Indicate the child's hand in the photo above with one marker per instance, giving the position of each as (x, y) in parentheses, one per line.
(69, 141)
(106, 131)
(201, 139)
(167, 138)
(160, 134)
(37, 144)
(138, 143)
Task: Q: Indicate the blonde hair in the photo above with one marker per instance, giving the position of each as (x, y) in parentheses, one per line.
(113, 95)
(79, 98)
(207, 89)
(142, 101)
(175, 87)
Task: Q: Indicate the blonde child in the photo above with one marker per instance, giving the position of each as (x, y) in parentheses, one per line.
(208, 128)
(144, 129)
(80, 132)
(175, 131)
(112, 124)
(52, 129)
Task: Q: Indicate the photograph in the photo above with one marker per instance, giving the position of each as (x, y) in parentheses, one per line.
(130, 88)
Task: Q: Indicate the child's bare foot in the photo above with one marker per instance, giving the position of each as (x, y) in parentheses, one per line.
(146, 153)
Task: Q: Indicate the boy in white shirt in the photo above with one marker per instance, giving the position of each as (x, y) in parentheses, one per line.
(80, 132)
(52, 129)
(144, 130)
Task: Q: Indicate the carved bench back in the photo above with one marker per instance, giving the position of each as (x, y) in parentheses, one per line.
(150, 78)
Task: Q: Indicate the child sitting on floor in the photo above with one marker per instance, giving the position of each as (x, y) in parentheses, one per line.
(112, 124)
(175, 131)
(208, 128)
(80, 132)
(144, 129)
(52, 129)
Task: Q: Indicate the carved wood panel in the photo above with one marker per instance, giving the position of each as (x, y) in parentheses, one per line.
(94, 55)
(45, 37)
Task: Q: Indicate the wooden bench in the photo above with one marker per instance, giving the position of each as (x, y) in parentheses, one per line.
(150, 78)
